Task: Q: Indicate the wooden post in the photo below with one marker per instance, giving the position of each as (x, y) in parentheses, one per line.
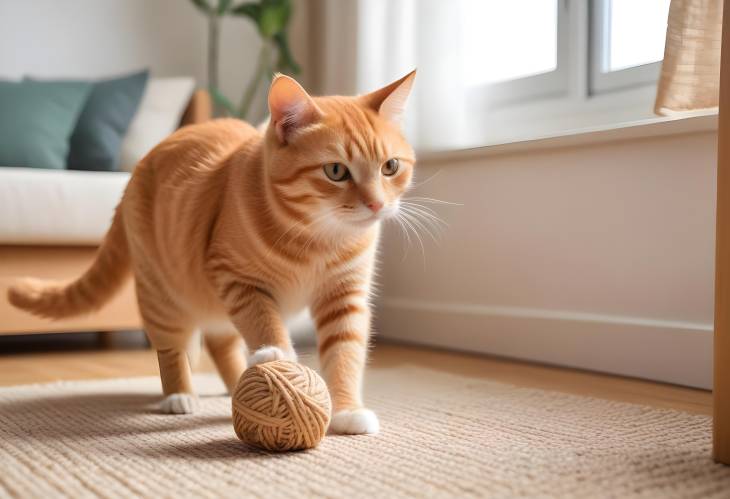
(721, 412)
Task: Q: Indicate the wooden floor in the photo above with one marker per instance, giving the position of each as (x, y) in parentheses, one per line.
(38, 365)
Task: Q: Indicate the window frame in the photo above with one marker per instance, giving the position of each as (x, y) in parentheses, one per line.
(578, 73)
(600, 81)
(543, 85)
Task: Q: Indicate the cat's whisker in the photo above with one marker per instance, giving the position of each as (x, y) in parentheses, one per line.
(421, 207)
(404, 232)
(428, 227)
(432, 200)
(408, 221)
(407, 232)
(420, 184)
(426, 212)
(428, 217)
(421, 224)
(407, 248)
(432, 220)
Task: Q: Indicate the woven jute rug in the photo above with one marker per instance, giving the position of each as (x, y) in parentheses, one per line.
(442, 436)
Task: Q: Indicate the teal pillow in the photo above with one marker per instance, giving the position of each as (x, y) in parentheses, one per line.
(97, 139)
(36, 121)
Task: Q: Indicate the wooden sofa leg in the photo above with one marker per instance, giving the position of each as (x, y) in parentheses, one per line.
(105, 340)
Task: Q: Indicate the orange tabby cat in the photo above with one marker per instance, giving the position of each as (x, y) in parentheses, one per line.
(228, 231)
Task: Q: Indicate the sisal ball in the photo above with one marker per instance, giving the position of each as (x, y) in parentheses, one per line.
(280, 406)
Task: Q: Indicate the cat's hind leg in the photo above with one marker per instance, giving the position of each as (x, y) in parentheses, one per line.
(227, 351)
(176, 382)
(170, 334)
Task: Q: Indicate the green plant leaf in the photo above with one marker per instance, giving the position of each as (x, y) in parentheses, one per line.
(223, 6)
(276, 2)
(249, 9)
(274, 17)
(202, 5)
(285, 62)
(222, 101)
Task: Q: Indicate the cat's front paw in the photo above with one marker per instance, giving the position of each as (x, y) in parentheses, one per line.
(268, 354)
(355, 422)
(179, 403)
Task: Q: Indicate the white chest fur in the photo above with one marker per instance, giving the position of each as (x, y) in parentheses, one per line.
(298, 296)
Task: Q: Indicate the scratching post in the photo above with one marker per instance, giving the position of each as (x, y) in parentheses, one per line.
(721, 428)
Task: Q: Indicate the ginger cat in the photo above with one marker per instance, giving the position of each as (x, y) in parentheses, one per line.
(229, 230)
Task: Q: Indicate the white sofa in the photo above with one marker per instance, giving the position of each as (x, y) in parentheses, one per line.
(57, 207)
(51, 221)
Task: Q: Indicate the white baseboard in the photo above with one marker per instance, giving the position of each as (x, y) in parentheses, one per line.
(661, 350)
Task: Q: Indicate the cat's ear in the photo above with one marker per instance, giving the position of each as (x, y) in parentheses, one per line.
(390, 101)
(290, 106)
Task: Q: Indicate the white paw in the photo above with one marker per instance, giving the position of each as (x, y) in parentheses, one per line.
(268, 354)
(355, 422)
(179, 403)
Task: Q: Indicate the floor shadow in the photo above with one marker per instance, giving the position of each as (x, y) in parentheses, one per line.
(98, 415)
(220, 449)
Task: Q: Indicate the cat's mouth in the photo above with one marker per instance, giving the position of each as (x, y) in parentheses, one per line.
(365, 220)
(372, 218)
(368, 220)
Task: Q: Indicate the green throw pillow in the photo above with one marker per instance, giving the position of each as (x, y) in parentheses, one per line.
(36, 121)
(97, 139)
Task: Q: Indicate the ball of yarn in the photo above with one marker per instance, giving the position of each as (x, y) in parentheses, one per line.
(280, 406)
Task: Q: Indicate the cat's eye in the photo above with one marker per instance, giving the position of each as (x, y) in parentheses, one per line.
(390, 167)
(337, 172)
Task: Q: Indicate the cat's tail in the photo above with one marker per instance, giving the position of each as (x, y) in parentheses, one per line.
(105, 277)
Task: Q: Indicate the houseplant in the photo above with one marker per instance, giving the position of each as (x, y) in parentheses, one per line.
(271, 18)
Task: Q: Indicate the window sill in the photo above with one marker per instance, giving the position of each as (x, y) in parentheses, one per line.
(701, 121)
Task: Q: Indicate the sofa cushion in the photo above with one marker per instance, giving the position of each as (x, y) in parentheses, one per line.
(37, 120)
(57, 207)
(162, 107)
(97, 137)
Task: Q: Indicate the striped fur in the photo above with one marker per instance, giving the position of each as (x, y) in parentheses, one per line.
(224, 225)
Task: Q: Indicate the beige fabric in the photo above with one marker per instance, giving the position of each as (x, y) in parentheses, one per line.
(690, 77)
(442, 436)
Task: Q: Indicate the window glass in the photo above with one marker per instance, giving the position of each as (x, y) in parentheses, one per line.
(635, 30)
(505, 41)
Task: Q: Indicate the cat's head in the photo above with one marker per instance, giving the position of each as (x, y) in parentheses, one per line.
(338, 162)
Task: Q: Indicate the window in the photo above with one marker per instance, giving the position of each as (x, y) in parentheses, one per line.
(498, 71)
(627, 42)
(634, 34)
(523, 49)
(507, 56)
(489, 27)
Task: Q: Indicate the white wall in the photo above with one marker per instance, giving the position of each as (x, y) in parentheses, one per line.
(597, 256)
(97, 38)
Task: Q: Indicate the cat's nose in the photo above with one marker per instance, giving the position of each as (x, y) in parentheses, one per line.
(375, 206)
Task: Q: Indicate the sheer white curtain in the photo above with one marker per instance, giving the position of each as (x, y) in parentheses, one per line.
(369, 43)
